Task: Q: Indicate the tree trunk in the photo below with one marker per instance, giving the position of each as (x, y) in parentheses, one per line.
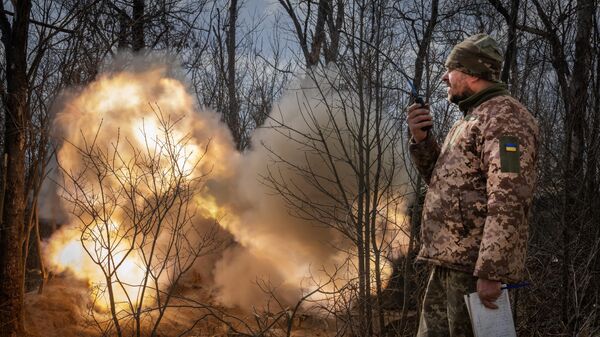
(43, 271)
(594, 138)
(415, 221)
(361, 268)
(332, 50)
(319, 36)
(232, 113)
(13, 217)
(575, 130)
(511, 48)
(324, 16)
(424, 44)
(575, 98)
(411, 253)
(123, 34)
(137, 27)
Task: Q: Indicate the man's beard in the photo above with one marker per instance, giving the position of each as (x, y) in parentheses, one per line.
(461, 97)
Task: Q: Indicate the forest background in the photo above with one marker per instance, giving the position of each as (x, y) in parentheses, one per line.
(240, 58)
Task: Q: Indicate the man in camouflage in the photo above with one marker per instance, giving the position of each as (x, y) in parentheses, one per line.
(480, 187)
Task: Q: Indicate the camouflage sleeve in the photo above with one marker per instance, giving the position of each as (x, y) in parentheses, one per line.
(508, 156)
(424, 155)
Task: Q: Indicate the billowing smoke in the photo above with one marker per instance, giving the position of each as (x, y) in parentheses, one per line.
(285, 207)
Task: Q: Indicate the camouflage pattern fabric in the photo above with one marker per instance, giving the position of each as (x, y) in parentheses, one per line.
(444, 311)
(478, 55)
(475, 215)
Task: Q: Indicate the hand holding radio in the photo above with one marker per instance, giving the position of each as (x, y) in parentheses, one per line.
(419, 120)
(418, 100)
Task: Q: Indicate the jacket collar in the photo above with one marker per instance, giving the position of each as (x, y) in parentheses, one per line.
(476, 99)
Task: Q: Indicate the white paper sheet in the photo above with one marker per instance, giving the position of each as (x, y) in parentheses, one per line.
(491, 322)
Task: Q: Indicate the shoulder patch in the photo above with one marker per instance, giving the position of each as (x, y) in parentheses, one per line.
(510, 154)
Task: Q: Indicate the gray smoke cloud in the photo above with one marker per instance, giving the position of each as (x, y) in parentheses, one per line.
(301, 180)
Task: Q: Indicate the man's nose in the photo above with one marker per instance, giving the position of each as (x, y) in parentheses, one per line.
(445, 77)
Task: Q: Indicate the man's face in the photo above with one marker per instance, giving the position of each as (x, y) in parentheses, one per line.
(458, 88)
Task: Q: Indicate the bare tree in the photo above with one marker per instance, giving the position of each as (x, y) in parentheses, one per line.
(24, 142)
(511, 18)
(573, 78)
(349, 179)
(232, 114)
(136, 215)
(423, 38)
(15, 98)
(234, 74)
(552, 65)
(329, 19)
(137, 29)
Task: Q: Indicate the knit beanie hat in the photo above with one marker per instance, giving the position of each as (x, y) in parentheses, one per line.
(478, 55)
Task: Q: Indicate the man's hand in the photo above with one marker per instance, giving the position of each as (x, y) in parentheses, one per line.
(418, 118)
(488, 291)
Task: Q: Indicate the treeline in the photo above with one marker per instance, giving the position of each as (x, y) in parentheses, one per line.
(238, 60)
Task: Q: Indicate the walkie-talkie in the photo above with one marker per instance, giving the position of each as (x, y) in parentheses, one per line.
(418, 99)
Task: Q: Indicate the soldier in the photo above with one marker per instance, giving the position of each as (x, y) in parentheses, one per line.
(480, 187)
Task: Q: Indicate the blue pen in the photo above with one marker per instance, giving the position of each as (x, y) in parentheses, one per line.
(515, 285)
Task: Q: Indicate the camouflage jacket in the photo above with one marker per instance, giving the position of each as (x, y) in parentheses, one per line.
(475, 216)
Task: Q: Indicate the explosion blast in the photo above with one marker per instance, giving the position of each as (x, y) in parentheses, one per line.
(136, 150)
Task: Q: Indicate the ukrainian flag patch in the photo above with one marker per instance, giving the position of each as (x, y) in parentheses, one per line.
(510, 154)
(511, 147)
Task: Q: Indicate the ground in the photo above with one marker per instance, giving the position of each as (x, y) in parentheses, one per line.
(63, 310)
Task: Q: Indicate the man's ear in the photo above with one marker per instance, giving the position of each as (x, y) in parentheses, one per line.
(477, 83)
(473, 80)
